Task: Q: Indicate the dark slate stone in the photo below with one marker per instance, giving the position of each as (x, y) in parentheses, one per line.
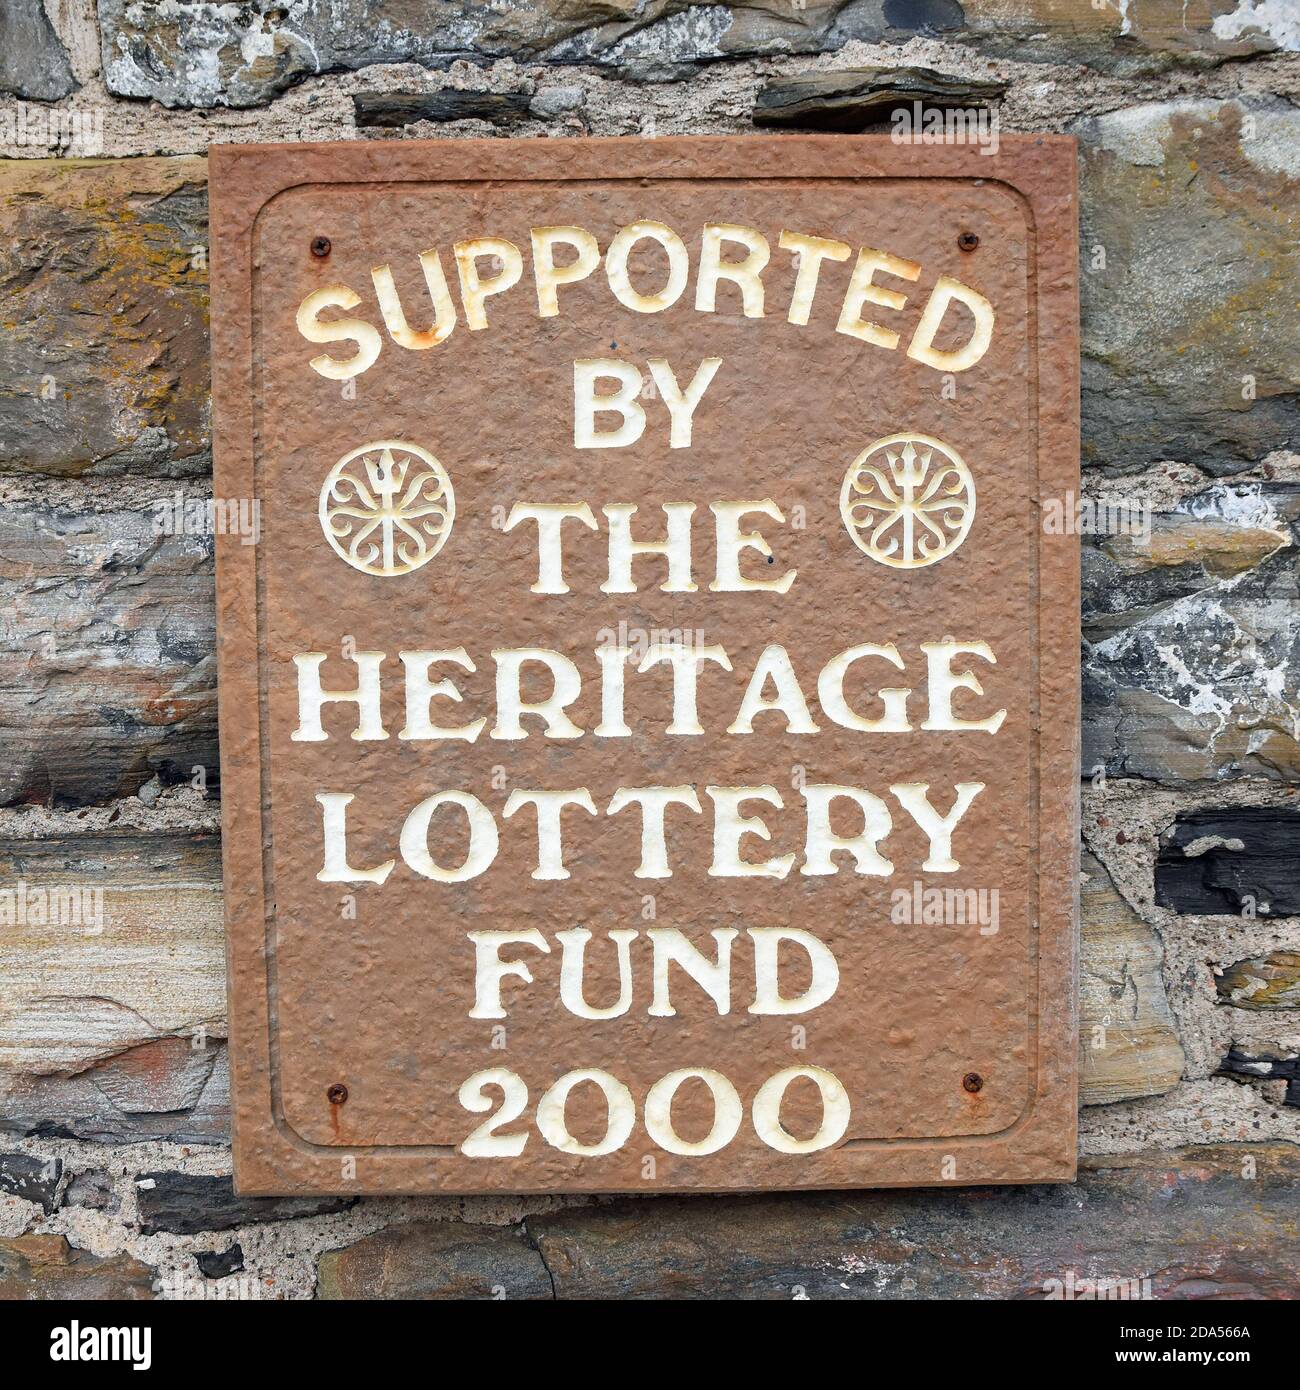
(1157, 1217)
(1253, 863)
(33, 63)
(1261, 1065)
(924, 16)
(216, 1264)
(186, 1204)
(396, 109)
(852, 99)
(32, 1179)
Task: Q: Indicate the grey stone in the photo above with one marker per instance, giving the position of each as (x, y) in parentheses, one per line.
(556, 101)
(187, 1204)
(850, 99)
(396, 109)
(32, 1179)
(151, 791)
(436, 1260)
(1191, 343)
(94, 1190)
(33, 63)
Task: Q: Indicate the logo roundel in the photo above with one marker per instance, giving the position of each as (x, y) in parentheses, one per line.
(908, 500)
(387, 508)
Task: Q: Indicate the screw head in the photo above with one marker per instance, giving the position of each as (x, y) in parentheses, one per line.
(972, 1082)
(968, 241)
(320, 247)
(337, 1093)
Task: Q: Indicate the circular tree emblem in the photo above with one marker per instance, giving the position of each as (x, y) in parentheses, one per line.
(387, 508)
(908, 500)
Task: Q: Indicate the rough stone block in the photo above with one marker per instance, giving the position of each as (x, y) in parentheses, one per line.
(217, 1264)
(168, 1090)
(33, 63)
(104, 310)
(107, 669)
(1191, 342)
(47, 1267)
(110, 1014)
(1127, 1043)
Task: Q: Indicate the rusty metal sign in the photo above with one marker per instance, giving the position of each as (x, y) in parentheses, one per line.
(649, 710)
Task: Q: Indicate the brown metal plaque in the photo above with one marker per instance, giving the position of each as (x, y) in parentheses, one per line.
(649, 709)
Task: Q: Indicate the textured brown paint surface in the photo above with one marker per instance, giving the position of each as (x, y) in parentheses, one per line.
(380, 1003)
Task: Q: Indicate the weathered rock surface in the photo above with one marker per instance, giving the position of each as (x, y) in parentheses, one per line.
(1128, 1046)
(185, 1204)
(47, 1267)
(194, 54)
(169, 1090)
(1188, 1222)
(1244, 861)
(1192, 650)
(103, 303)
(1191, 343)
(850, 99)
(33, 63)
(107, 661)
(1270, 982)
(111, 1015)
(434, 1260)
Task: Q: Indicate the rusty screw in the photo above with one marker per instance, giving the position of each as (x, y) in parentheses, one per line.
(320, 247)
(972, 1082)
(968, 241)
(337, 1093)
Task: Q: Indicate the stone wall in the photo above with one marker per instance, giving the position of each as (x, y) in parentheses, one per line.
(114, 1167)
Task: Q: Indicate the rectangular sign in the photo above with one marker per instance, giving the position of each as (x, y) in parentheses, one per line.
(649, 710)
